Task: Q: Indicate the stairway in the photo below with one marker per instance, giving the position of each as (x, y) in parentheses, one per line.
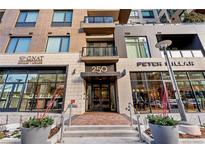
(100, 131)
(101, 128)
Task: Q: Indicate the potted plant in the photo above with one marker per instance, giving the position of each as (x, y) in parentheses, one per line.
(164, 129)
(36, 130)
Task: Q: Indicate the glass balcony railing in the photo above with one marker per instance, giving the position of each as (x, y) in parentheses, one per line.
(98, 19)
(183, 53)
(99, 51)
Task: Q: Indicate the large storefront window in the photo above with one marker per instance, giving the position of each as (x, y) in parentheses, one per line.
(29, 90)
(137, 47)
(148, 91)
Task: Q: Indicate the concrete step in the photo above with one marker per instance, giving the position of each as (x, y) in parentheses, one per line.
(101, 133)
(100, 127)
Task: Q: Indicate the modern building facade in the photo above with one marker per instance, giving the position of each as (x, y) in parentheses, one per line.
(103, 59)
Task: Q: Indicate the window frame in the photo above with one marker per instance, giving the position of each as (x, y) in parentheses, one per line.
(147, 17)
(26, 24)
(150, 55)
(64, 23)
(60, 44)
(18, 37)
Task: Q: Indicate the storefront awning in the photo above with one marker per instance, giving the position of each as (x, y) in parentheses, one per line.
(96, 76)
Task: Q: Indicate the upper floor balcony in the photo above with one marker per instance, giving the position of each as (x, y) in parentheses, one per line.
(98, 25)
(99, 55)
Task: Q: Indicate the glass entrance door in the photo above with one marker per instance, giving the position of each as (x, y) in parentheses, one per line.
(101, 97)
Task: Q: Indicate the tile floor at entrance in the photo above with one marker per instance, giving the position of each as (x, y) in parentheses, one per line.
(100, 118)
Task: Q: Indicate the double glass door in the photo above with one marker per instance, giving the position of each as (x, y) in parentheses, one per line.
(101, 97)
(10, 96)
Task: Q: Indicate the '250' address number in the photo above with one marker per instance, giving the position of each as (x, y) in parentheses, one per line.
(99, 69)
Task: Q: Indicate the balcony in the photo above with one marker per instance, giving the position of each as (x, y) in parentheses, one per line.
(119, 15)
(99, 55)
(98, 25)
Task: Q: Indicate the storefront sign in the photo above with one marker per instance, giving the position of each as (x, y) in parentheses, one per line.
(156, 64)
(30, 60)
(99, 68)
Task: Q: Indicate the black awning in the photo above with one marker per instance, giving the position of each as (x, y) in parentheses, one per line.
(97, 76)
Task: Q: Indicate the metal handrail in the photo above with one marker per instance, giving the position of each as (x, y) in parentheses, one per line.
(130, 107)
(63, 120)
(99, 51)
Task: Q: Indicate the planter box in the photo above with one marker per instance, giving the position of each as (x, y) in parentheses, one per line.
(165, 134)
(35, 135)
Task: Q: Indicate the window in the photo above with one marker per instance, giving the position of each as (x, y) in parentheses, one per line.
(147, 14)
(148, 92)
(27, 90)
(19, 45)
(58, 44)
(134, 13)
(27, 19)
(137, 47)
(62, 18)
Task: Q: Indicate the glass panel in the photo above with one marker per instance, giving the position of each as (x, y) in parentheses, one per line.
(2, 77)
(47, 77)
(155, 92)
(6, 95)
(98, 19)
(181, 76)
(165, 76)
(23, 45)
(61, 77)
(12, 45)
(28, 102)
(176, 54)
(53, 44)
(154, 76)
(140, 96)
(147, 14)
(65, 44)
(199, 89)
(68, 16)
(89, 98)
(112, 97)
(31, 17)
(32, 77)
(186, 53)
(132, 51)
(196, 75)
(172, 104)
(16, 78)
(16, 95)
(108, 19)
(58, 16)
(139, 49)
(197, 53)
(22, 16)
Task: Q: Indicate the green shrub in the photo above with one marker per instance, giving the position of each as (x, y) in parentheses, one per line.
(162, 120)
(38, 122)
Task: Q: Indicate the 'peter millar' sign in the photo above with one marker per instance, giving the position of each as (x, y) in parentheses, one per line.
(157, 64)
(30, 60)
